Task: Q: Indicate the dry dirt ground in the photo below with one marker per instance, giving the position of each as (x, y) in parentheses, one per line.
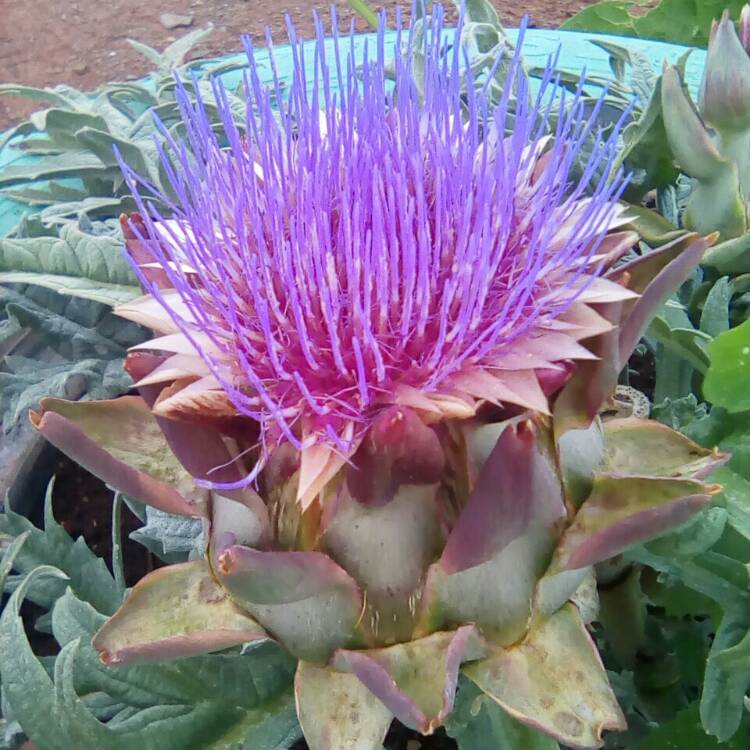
(83, 42)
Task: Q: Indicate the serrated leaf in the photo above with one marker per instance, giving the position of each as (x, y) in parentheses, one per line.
(9, 556)
(76, 349)
(56, 718)
(42, 308)
(677, 413)
(26, 684)
(646, 149)
(86, 573)
(170, 537)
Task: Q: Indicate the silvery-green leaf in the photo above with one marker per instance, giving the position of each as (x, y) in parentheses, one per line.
(171, 537)
(676, 413)
(56, 96)
(70, 164)
(64, 213)
(60, 124)
(67, 336)
(715, 315)
(149, 53)
(107, 294)
(44, 196)
(174, 55)
(73, 253)
(27, 381)
(87, 574)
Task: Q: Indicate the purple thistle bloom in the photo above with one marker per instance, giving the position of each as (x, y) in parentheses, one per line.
(368, 241)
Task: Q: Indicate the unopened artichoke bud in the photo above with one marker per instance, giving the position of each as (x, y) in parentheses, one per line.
(724, 99)
(383, 342)
(745, 28)
(716, 202)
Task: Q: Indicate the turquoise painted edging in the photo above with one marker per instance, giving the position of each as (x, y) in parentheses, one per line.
(576, 53)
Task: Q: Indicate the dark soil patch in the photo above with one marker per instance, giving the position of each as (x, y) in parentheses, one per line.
(83, 43)
(82, 505)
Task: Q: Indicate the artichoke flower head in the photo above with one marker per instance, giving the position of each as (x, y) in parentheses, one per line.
(387, 319)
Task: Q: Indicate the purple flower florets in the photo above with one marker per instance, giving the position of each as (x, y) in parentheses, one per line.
(360, 239)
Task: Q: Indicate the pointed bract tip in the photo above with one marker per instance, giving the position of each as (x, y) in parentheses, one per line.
(526, 430)
(106, 658)
(226, 563)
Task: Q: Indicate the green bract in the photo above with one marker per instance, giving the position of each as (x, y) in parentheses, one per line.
(711, 144)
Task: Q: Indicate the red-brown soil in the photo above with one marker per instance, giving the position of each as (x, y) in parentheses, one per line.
(83, 43)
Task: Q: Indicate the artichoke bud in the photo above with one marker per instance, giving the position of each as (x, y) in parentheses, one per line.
(688, 138)
(745, 28)
(716, 202)
(725, 90)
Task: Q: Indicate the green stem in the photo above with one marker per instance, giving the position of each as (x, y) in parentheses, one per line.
(735, 147)
(118, 567)
(364, 10)
(622, 613)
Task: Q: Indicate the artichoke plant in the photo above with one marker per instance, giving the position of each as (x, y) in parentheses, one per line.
(711, 142)
(386, 340)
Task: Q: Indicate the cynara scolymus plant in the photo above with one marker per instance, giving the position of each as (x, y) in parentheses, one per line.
(387, 334)
(711, 142)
